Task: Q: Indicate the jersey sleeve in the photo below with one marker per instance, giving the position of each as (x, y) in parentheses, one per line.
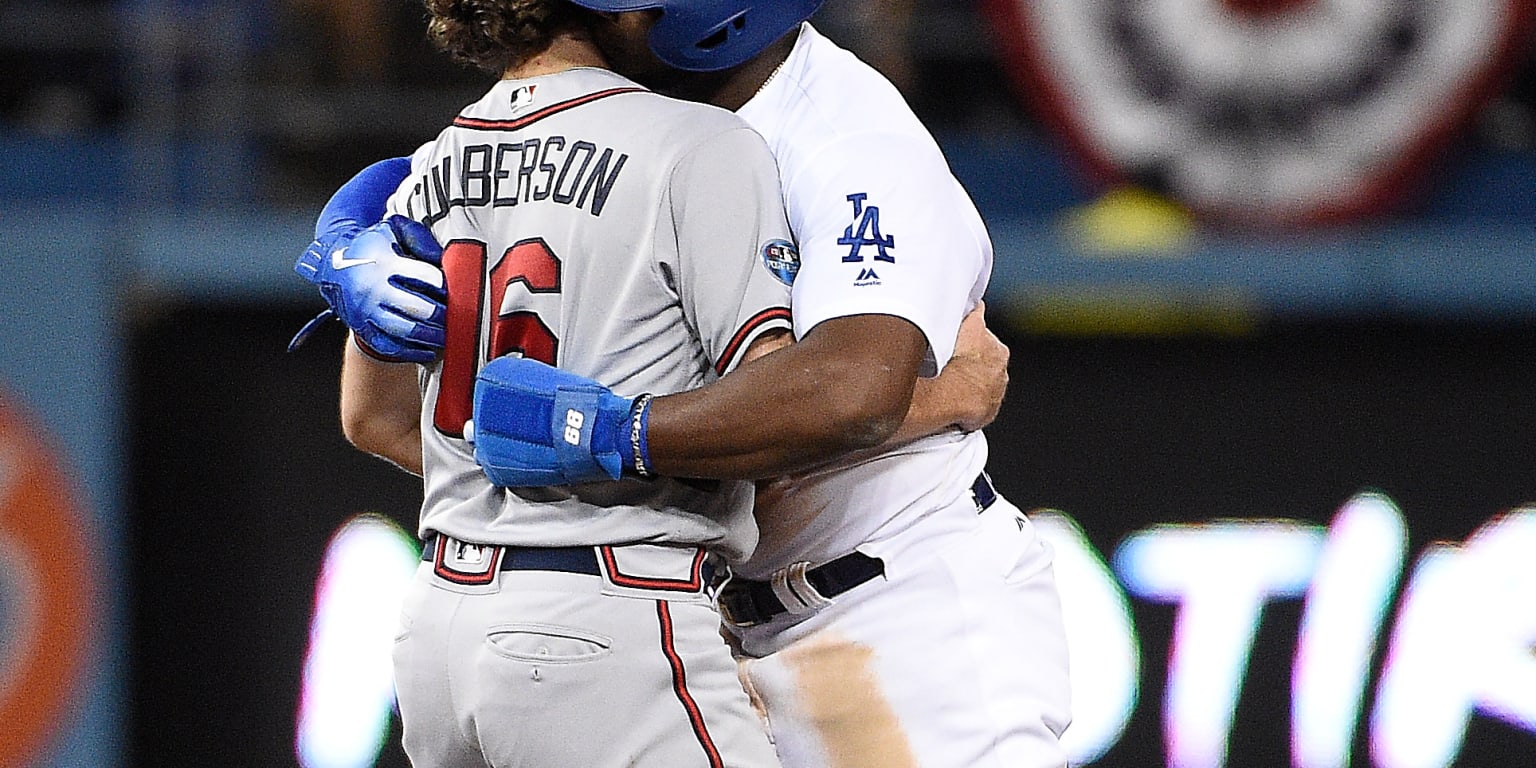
(885, 228)
(736, 257)
(400, 202)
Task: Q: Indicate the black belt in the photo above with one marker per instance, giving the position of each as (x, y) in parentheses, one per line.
(744, 602)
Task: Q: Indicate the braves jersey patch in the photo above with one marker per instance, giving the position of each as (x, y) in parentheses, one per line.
(782, 259)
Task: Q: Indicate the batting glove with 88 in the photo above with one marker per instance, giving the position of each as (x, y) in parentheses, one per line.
(536, 425)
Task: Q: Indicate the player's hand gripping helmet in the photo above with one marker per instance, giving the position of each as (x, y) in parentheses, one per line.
(709, 35)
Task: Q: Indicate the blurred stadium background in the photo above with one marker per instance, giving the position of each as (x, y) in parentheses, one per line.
(1267, 269)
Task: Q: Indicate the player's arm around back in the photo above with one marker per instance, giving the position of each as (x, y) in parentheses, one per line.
(965, 396)
(968, 393)
(847, 385)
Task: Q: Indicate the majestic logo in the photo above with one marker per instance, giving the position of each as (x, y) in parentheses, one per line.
(522, 98)
(782, 259)
(866, 277)
(865, 232)
(1265, 111)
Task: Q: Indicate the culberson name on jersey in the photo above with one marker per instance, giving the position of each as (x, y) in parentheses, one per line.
(549, 169)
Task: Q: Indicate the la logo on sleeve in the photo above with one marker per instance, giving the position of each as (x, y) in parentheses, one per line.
(864, 232)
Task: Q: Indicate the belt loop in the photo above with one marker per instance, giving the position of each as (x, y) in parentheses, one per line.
(466, 564)
(719, 575)
(794, 590)
(982, 492)
(695, 579)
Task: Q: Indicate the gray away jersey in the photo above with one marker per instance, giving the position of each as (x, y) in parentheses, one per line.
(614, 233)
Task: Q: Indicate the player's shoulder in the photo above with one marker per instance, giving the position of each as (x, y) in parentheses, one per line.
(666, 123)
(842, 94)
(608, 105)
(827, 107)
(579, 93)
(686, 134)
(684, 122)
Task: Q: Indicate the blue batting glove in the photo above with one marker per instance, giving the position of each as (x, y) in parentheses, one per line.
(535, 425)
(385, 310)
(386, 283)
(357, 205)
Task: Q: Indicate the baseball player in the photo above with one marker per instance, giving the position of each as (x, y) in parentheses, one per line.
(621, 235)
(896, 611)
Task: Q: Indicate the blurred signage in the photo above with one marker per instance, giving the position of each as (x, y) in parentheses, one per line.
(348, 694)
(1458, 647)
(1262, 111)
(47, 582)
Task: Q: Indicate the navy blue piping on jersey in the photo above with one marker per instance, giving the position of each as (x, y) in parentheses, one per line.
(477, 124)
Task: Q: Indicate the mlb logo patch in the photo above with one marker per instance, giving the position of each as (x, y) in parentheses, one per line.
(522, 98)
(782, 259)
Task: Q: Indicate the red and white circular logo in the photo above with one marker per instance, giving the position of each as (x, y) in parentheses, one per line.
(1262, 111)
(47, 590)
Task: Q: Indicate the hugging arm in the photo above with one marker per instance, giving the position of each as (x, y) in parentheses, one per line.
(827, 395)
(968, 393)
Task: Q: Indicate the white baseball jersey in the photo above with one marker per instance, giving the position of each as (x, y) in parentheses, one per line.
(883, 227)
(956, 656)
(614, 233)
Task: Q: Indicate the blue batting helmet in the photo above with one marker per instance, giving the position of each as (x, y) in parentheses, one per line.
(709, 35)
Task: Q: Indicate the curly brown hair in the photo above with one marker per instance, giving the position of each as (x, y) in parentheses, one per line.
(496, 35)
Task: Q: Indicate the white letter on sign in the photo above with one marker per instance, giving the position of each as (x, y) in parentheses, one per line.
(1221, 574)
(1463, 641)
(1361, 562)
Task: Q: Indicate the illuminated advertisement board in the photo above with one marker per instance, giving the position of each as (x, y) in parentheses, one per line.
(1459, 644)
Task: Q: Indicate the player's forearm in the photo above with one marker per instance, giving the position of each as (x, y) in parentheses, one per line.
(844, 388)
(934, 409)
(965, 396)
(940, 404)
(743, 432)
(381, 408)
(968, 393)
